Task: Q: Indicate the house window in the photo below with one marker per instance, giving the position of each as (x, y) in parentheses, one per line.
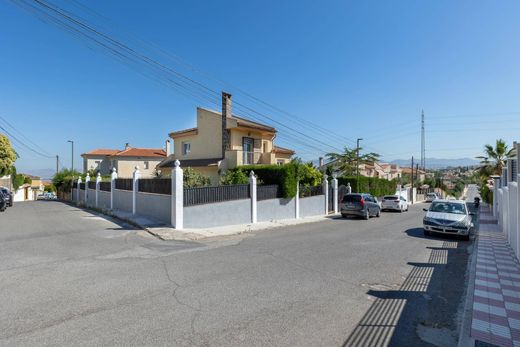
(248, 150)
(280, 161)
(265, 147)
(186, 148)
(146, 165)
(97, 163)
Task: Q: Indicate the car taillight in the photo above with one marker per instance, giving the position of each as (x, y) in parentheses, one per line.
(362, 202)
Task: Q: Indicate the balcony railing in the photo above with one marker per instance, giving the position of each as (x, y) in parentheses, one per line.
(249, 158)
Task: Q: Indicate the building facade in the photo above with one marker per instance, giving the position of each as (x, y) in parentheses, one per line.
(223, 141)
(124, 161)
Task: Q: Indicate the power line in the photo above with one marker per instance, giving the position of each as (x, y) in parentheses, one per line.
(24, 144)
(126, 54)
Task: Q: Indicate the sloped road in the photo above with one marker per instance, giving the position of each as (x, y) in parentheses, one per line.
(68, 277)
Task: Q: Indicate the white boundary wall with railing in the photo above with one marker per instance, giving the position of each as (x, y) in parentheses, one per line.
(506, 203)
(169, 208)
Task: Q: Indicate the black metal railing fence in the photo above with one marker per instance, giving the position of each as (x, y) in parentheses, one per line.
(268, 191)
(124, 184)
(207, 195)
(156, 185)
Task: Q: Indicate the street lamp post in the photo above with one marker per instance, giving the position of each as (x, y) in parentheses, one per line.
(72, 143)
(357, 164)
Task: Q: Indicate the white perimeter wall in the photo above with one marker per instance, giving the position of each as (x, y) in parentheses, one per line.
(156, 206)
(218, 214)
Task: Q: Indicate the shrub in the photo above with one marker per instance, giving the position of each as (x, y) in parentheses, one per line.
(282, 175)
(234, 177)
(373, 185)
(194, 179)
(486, 194)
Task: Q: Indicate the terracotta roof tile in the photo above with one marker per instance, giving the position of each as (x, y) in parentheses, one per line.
(102, 152)
(129, 152)
(141, 152)
(277, 149)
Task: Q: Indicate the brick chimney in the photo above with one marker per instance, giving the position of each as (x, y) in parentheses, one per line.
(226, 112)
(321, 162)
(127, 145)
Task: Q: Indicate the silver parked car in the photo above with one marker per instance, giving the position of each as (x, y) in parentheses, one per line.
(448, 217)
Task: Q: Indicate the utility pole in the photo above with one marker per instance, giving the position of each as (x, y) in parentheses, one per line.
(72, 143)
(57, 161)
(423, 150)
(357, 164)
(412, 180)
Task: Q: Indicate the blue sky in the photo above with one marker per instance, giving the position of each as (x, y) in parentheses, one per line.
(362, 69)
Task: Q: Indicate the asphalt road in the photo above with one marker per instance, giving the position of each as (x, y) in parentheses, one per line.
(68, 277)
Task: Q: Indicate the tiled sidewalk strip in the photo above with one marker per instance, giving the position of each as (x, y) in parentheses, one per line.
(496, 297)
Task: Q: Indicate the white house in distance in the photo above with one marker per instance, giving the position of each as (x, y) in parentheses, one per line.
(124, 161)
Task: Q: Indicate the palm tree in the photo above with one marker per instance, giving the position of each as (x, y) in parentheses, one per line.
(494, 159)
(347, 161)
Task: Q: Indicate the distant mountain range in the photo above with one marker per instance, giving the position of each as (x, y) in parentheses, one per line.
(42, 173)
(435, 163)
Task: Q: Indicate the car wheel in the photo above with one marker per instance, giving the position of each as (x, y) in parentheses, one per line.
(426, 232)
(343, 215)
(378, 213)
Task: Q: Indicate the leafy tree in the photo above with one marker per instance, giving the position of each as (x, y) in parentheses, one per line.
(7, 155)
(234, 177)
(63, 179)
(348, 161)
(495, 157)
(49, 188)
(16, 178)
(194, 179)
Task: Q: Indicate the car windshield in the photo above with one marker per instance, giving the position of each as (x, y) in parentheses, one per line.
(390, 197)
(448, 207)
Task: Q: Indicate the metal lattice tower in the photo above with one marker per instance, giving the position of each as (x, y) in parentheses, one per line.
(423, 150)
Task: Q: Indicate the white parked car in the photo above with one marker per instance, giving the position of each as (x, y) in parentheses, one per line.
(448, 217)
(394, 203)
(431, 196)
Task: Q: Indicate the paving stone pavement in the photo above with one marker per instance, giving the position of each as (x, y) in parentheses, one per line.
(496, 297)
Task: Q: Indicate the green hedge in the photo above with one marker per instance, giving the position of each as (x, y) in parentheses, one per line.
(373, 185)
(282, 175)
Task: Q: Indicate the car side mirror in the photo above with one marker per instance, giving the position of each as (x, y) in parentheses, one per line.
(472, 213)
(425, 209)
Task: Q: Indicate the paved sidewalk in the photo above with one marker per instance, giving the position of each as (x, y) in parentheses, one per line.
(496, 294)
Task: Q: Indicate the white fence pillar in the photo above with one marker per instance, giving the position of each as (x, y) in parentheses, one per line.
(335, 193)
(78, 189)
(496, 185)
(87, 180)
(135, 188)
(500, 208)
(326, 193)
(518, 216)
(113, 178)
(177, 213)
(513, 218)
(98, 180)
(252, 193)
(297, 201)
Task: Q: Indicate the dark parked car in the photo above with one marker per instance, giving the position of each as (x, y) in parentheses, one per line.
(8, 195)
(361, 205)
(3, 203)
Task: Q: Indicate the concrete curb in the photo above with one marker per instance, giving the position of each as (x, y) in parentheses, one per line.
(168, 233)
(465, 340)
